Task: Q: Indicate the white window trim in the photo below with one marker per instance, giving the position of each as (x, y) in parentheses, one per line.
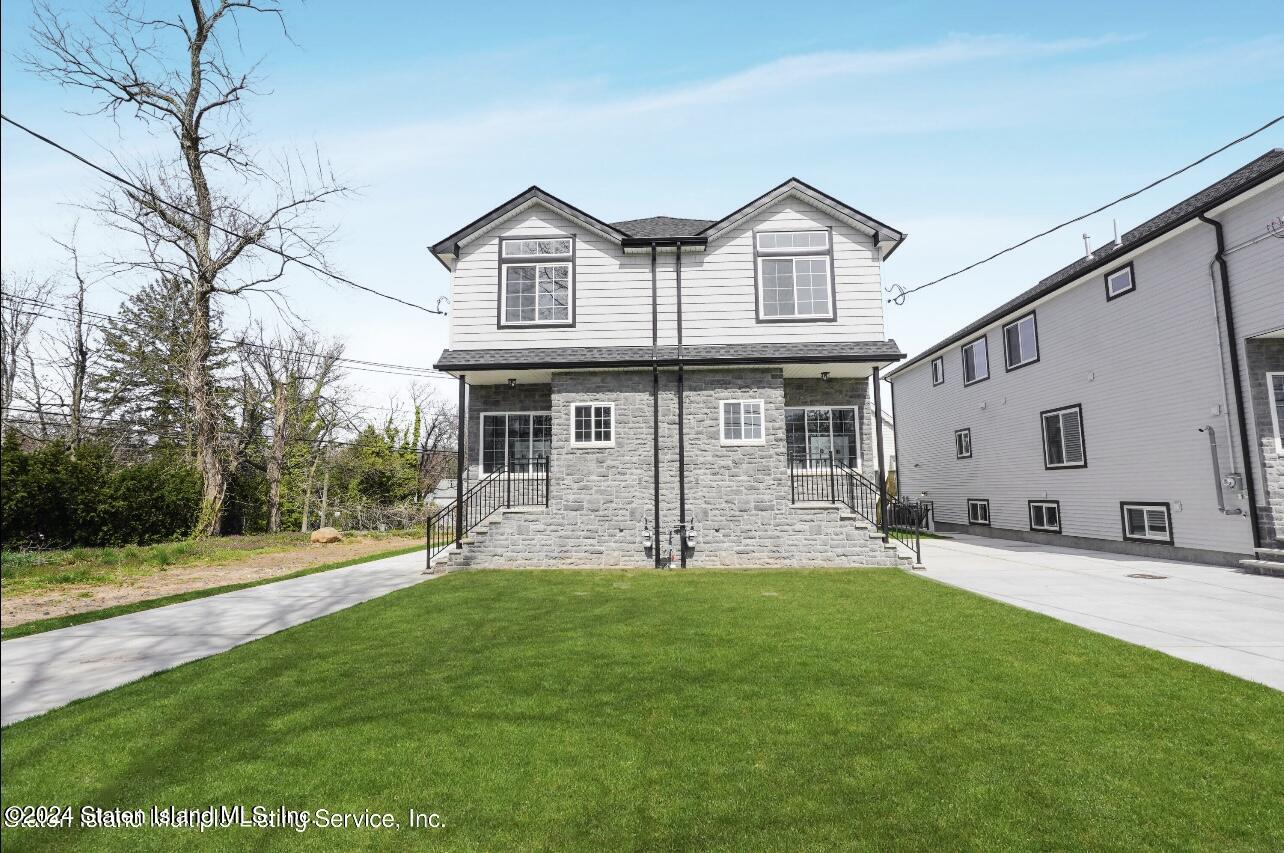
(856, 410)
(481, 439)
(741, 442)
(794, 250)
(795, 256)
(504, 241)
(939, 361)
(565, 261)
(971, 502)
(984, 339)
(1043, 429)
(1166, 538)
(1007, 353)
(964, 432)
(594, 443)
(1046, 506)
(1111, 293)
(1273, 402)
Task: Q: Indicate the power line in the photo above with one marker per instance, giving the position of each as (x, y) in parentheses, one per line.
(899, 297)
(246, 238)
(365, 365)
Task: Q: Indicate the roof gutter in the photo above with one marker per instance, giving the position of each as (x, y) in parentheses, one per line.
(1237, 384)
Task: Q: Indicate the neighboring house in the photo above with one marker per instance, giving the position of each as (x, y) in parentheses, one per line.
(1130, 402)
(633, 385)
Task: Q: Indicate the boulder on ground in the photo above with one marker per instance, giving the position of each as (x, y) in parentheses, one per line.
(326, 535)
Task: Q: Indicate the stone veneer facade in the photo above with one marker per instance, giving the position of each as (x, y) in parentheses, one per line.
(1266, 355)
(737, 497)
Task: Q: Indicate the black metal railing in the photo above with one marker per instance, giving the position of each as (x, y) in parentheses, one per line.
(522, 483)
(821, 478)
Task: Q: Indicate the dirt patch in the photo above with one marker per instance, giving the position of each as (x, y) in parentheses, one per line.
(18, 608)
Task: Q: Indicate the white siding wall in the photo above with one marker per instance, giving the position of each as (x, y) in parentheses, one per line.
(613, 290)
(1145, 369)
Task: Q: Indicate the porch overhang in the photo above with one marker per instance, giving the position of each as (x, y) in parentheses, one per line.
(838, 359)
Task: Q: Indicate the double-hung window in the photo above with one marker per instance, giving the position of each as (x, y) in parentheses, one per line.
(521, 441)
(1045, 516)
(978, 511)
(812, 433)
(1275, 384)
(1146, 522)
(1119, 282)
(795, 275)
(963, 443)
(976, 361)
(1020, 342)
(741, 422)
(536, 281)
(593, 425)
(1063, 438)
(938, 370)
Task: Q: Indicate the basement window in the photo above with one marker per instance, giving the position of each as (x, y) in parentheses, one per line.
(978, 511)
(1045, 516)
(742, 422)
(1147, 522)
(976, 361)
(1063, 438)
(593, 425)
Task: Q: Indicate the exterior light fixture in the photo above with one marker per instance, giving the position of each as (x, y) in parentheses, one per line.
(824, 376)
(512, 382)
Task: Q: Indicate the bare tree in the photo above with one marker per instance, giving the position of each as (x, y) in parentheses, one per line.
(436, 422)
(21, 300)
(199, 212)
(295, 373)
(76, 346)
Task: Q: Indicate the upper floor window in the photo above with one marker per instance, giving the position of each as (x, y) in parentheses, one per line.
(795, 275)
(1020, 342)
(963, 444)
(976, 361)
(938, 370)
(742, 422)
(1120, 282)
(1275, 382)
(537, 278)
(1063, 438)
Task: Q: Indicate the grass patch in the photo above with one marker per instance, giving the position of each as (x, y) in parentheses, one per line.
(39, 626)
(701, 710)
(42, 571)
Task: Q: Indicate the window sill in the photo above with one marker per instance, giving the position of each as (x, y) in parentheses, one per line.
(755, 442)
(592, 445)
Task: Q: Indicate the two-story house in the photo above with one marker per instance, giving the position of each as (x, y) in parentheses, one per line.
(1132, 401)
(666, 390)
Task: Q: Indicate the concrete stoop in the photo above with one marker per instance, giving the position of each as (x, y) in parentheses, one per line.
(530, 537)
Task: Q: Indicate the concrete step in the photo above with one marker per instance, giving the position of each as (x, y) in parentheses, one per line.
(1274, 554)
(1264, 567)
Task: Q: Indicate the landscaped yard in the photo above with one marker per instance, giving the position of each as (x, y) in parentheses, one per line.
(728, 710)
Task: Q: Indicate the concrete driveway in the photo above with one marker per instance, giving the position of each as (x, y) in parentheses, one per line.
(48, 670)
(1207, 614)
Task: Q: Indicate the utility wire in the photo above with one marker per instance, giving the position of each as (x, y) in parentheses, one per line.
(900, 292)
(286, 255)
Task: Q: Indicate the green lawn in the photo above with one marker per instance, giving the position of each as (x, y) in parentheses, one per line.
(672, 711)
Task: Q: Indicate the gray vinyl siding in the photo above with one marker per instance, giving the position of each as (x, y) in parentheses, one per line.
(613, 290)
(1145, 369)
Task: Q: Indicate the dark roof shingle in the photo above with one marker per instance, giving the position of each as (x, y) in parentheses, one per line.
(764, 353)
(1262, 169)
(662, 227)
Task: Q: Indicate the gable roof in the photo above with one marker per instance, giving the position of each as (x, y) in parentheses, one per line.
(640, 231)
(1268, 166)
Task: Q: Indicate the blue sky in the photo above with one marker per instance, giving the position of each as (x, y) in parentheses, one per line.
(968, 126)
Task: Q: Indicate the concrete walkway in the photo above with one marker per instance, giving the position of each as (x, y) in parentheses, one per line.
(49, 670)
(1211, 615)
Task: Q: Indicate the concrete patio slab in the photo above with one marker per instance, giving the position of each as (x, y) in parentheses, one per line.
(1211, 615)
(48, 670)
